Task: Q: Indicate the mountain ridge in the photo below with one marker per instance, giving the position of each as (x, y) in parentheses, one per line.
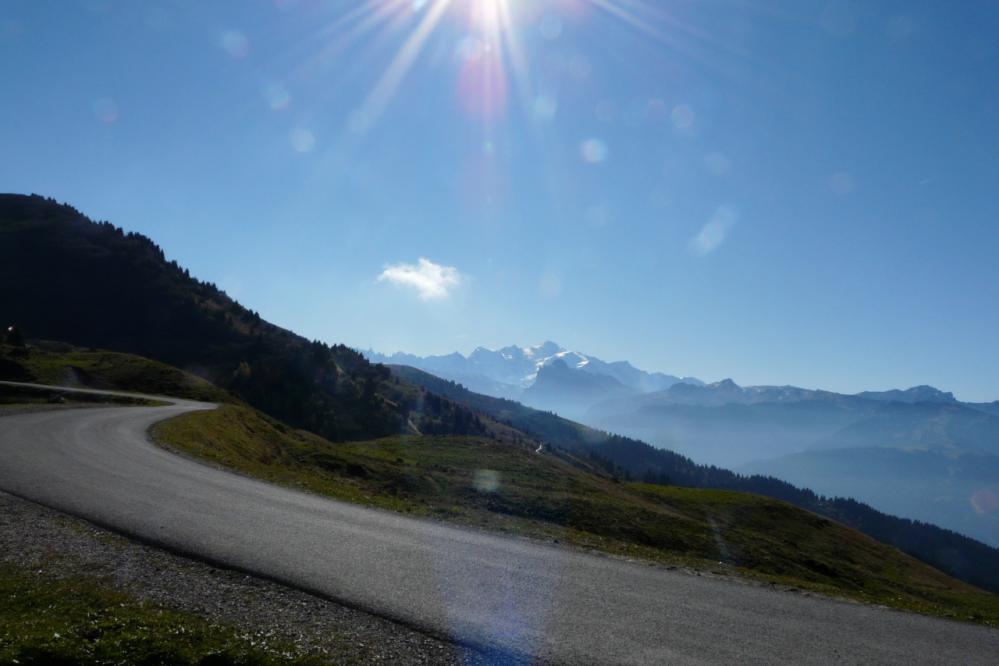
(516, 367)
(778, 430)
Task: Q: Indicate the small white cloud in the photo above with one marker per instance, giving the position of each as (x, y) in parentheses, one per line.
(714, 232)
(431, 281)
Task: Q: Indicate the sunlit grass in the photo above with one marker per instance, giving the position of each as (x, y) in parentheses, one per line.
(73, 367)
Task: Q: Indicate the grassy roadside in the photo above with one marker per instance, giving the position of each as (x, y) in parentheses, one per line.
(78, 620)
(15, 397)
(62, 365)
(47, 619)
(503, 487)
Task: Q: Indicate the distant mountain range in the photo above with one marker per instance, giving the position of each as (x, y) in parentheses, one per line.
(724, 423)
(918, 452)
(546, 376)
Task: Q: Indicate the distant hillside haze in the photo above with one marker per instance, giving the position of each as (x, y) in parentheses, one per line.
(959, 491)
(725, 424)
(915, 394)
(987, 407)
(917, 452)
(947, 550)
(719, 423)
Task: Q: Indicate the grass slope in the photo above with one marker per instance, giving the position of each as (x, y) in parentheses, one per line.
(21, 397)
(63, 365)
(505, 487)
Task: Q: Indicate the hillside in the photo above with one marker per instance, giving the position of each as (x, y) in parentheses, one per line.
(958, 555)
(557, 496)
(788, 432)
(65, 277)
(780, 431)
(61, 364)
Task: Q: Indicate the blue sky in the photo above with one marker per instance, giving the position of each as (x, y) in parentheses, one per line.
(778, 192)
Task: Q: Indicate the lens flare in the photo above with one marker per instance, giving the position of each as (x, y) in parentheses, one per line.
(235, 43)
(489, 58)
(593, 151)
(492, 69)
(105, 110)
(277, 96)
(683, 117)
(376, 102)
(302, 140)
(985, 502)
(545, 107)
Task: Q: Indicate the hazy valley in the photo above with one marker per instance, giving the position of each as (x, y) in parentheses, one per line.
(917, 452)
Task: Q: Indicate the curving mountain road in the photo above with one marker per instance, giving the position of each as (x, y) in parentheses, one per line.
(518, 599)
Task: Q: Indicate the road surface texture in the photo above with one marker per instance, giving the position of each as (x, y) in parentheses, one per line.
(515, 599)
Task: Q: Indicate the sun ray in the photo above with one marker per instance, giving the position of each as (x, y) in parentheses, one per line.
(692, 45)
(493, 64)
(345, 31)
(518, 61)
(386, 86)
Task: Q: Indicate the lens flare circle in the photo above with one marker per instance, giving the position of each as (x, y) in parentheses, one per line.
(593, 151)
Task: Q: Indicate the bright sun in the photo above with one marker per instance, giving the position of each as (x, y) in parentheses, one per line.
(489, 55)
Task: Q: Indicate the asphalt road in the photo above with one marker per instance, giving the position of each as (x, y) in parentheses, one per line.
(516, 599)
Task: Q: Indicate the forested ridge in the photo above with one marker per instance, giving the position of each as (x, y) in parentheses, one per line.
(65, 277)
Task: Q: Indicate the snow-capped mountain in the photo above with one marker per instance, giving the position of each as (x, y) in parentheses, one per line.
(572, 391)
(509, 371)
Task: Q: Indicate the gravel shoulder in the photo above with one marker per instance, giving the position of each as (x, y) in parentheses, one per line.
(39, 539)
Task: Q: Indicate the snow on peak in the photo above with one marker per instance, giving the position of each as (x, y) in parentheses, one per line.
(545, 349)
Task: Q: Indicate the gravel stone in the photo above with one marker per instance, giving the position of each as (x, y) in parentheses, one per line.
(35, 537)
